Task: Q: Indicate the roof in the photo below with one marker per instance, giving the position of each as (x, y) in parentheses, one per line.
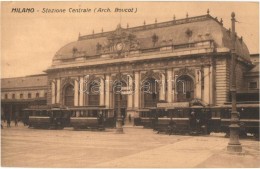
(177, 32)
(24, 82)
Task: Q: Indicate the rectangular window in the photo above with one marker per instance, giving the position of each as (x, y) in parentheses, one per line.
(6, 96)
(37, 95)
(29, 95)
(13, 96)
(21, 96)
(252, 85)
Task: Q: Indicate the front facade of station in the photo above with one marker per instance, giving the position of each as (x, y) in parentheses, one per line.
(177, 63)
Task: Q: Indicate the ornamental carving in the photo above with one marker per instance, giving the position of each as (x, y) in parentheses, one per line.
(91, 78)
(120, 42)
(120, 76)
(188, 32)
(151, 74)
(185, 71)
(67, 80)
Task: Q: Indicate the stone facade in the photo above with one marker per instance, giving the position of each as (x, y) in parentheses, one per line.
(176, 61)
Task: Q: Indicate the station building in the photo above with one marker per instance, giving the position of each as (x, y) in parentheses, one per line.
(176, 62)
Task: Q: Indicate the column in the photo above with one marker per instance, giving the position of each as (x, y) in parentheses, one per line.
(211, 86)
(101, 92)
(58, 91)
(81, 91)
(130, 89)
(173, 83)
(198, 83)
(76, 92)
(169, 85)
(206, 85)
(162, 88)
(137, 90)
(53, 93)
(107, 91)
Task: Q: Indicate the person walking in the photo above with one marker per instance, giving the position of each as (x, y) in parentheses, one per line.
(16, 119)
(16, 122)
(8, 121)
(129, 118)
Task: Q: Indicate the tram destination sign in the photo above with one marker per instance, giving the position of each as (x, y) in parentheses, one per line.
(173, 105)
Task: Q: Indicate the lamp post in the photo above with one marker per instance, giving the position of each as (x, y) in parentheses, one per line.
(119, 128)
(234, 144)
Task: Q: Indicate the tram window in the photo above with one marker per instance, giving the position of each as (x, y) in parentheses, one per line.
(217, 114)
(187, 94)
(252, 85)
(185, 113)
(174, 114)
(95, 113)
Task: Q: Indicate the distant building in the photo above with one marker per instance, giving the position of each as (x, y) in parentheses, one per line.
(176, 61)
(21, 92)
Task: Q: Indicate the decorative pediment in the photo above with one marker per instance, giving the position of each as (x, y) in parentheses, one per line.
(151, 74)
(67, 80)
(120, 76)
(120, 42)
(90, 78)
(185, 71)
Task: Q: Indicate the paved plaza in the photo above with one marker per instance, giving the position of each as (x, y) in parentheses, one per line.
(138, 147)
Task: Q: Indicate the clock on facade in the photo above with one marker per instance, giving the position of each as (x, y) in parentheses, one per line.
(119, 46)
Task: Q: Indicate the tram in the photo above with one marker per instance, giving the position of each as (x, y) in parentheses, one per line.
(194, 120)
(76, 117)
(48, 118)
(248, 119)
(90, 118)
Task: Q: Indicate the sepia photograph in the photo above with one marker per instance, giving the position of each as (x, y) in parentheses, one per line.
(153, 84)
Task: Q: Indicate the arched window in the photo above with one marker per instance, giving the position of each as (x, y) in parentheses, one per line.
(150, 91)
(93, 95)
(29, 95)
(13, 96)
(69, 96)
(185, 88)
(21, 96)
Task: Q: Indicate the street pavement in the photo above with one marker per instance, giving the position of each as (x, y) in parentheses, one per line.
(136, 148)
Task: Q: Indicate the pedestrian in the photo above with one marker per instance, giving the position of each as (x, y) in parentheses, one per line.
(8, 121)
(193, 121)
(129, 118)
(123, 120)
(16, 122)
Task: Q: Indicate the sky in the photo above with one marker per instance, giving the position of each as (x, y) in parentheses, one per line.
(29, 41)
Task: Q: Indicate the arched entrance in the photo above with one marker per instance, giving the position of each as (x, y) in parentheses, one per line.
(150, 92)
(69, 96)
(94, 93)
(185, 88)
(118, 87)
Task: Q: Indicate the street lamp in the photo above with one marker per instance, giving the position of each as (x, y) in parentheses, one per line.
(119, 128)
(234, 144)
